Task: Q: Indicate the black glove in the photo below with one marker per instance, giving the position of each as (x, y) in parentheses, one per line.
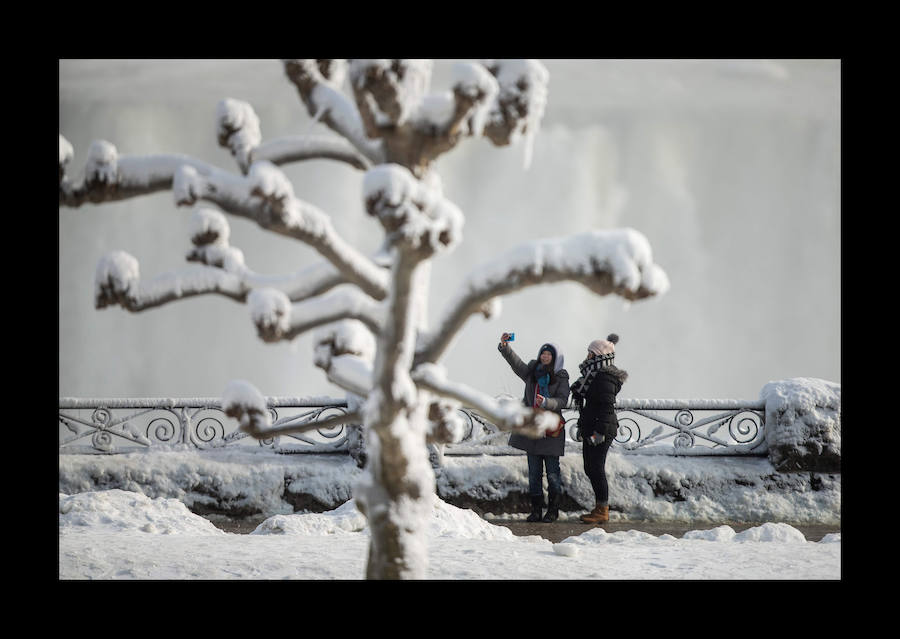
(596, 439)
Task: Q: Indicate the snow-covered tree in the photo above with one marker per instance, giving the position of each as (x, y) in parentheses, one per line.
(372, 337)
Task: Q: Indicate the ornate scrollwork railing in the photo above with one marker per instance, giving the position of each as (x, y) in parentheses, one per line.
(691, 427)
(646, 426)
(124, 425)
(651, 426)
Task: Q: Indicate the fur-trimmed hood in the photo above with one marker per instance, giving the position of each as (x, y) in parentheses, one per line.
(616, 372)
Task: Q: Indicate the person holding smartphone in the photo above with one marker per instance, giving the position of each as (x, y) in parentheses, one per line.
(546, 388)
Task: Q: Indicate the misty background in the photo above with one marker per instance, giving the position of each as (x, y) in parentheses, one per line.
(730, 168)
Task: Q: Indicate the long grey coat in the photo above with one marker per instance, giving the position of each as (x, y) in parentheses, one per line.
(557, 399)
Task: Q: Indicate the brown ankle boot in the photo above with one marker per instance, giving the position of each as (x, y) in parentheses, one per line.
(599, 515)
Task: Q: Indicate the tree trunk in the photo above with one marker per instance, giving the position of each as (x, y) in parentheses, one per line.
(397, 490)
(397, 498)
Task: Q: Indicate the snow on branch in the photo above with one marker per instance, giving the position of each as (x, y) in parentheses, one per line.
(277, 319)
(66, 152)
(304, 147)
(318, 83)
(267, 197)
(520, 104)
(237, 128)
(607, 262)
(388, 92)
(506, 414)
(345, 350)
(109, 176)
(117, 282)
(475, 90)
(242, 401)
(209, 234)
(413, 214)
(445, 424)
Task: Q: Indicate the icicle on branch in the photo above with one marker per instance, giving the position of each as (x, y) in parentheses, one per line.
(506, 414)
(616, 262)
(416, 127)
(318, 84)
(520, 103)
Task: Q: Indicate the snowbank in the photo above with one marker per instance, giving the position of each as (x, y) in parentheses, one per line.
(642, 487)
(803, 424)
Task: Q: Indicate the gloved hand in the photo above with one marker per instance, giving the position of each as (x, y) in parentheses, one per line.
(596, 439)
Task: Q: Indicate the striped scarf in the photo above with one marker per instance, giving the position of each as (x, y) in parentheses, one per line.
(589, 369)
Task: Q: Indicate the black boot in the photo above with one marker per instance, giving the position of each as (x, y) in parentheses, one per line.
(552, 508)
(536, 504)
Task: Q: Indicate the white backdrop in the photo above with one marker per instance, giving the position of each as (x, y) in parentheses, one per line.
(730, 168)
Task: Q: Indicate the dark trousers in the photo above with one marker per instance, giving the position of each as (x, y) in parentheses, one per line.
(536, 465)
(595, 468)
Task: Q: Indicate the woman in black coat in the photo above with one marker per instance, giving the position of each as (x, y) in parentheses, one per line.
(594, 394)
(546, 387)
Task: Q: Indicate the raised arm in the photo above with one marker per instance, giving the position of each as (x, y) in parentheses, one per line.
(519, 367)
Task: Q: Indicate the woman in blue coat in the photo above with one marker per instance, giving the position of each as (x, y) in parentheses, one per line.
(546, 387)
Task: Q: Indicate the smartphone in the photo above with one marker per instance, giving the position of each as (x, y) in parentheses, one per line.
(512, 337)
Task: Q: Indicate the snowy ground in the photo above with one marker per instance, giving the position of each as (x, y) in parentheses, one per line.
(117, 534)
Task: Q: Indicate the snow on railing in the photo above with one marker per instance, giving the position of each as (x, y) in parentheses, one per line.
(646, 426)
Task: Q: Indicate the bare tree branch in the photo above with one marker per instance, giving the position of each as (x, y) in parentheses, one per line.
(109, 177)
(238, 130)
(303, 147)
(277, 319)
(607, 262)
(319, 91)
(521, 100)
(259, 432)
(210, 233)
(345, 350)
(417, 128)
(506, 414)
(117, 282)
(446, 425)
(266, 197)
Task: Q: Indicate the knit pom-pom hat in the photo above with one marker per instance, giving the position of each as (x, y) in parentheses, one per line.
(604, 347)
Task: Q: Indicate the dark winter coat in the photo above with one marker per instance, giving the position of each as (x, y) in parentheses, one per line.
(599, 412)
(557, 399)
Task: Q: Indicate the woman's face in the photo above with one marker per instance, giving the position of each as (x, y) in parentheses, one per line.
(546, 358)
